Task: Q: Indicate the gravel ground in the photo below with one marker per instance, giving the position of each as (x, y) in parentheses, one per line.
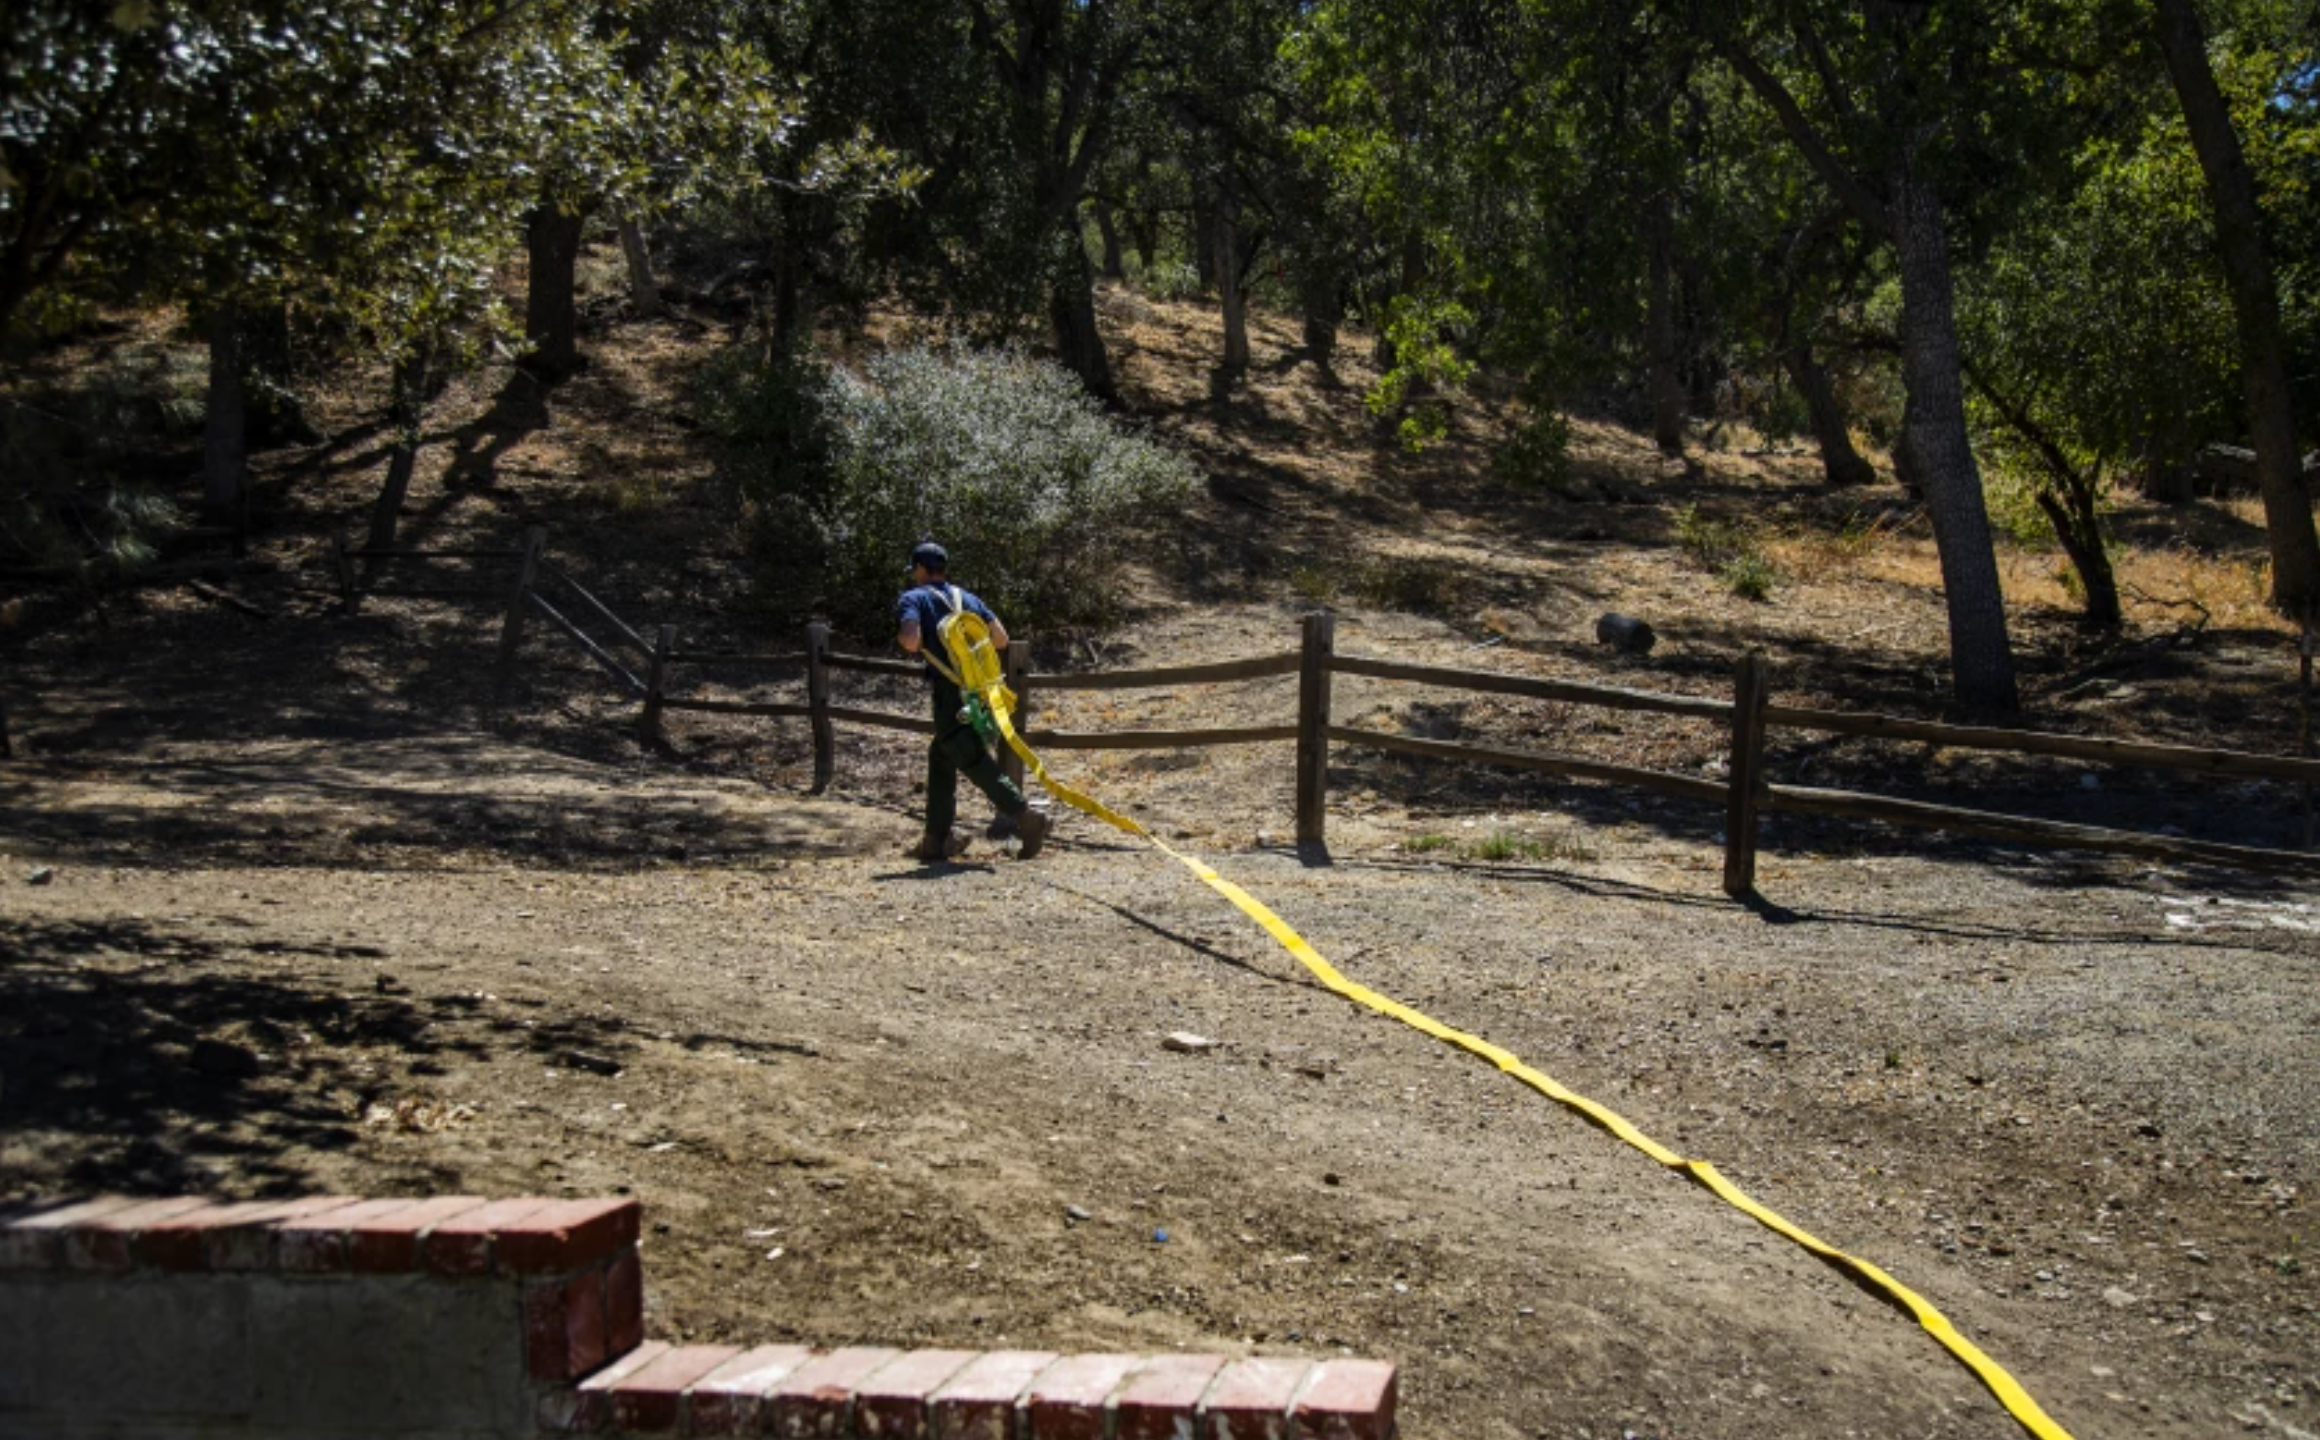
(2073, 1106)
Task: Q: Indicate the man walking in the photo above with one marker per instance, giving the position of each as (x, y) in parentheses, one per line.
(957, 748)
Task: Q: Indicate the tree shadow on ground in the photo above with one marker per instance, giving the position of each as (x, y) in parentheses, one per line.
(398, 804)
(168, 1075)
(1776, 912)
(160, 1060)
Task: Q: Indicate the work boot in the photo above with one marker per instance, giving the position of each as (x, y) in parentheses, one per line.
(934, 849)
(1031, 827)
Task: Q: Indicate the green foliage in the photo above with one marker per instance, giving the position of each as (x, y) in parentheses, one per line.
(1506, 845)
(1036, 493)
(1173, 279)
(1428, 843)
(1427, 361)
(2012, 495)
(1503, 845)
(1537, 456)
(1406, 583)
(72, 503)
(1729, 551)
(1749, 575)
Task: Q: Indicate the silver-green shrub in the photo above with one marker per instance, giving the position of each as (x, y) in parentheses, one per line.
(1000, 456)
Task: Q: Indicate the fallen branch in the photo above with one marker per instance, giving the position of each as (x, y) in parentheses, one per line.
(228, 599)
(2137, 592)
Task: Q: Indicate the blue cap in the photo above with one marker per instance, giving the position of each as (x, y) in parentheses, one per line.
(931, 555)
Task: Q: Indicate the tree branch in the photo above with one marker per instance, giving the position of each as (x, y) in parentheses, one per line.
(1833, 173)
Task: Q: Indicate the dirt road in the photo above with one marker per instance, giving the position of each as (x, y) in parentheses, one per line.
(861, 1099)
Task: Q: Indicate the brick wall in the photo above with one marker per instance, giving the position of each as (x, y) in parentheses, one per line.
(324, 1317)
(461, 1318)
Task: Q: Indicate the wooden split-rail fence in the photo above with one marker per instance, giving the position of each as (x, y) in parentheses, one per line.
(1745, 793)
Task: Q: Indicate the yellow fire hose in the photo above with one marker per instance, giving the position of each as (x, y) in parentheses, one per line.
(978, 674)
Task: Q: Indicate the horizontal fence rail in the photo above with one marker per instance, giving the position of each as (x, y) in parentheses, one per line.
(1254, 669)
(727, 657)
(1610, 697)
(2135, 753)
(771, 711)
(1158, 739)
(1849, 805)
(353, 587)
(1685, 786)
(1746, 793)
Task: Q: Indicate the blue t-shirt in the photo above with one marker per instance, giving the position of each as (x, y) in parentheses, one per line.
(927, 606)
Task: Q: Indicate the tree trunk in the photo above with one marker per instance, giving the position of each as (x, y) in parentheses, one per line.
(273, 414)
(1115, 264)
(644, 292)
(2255, 301)
(1934, 433)
(224, 458)
(1839, 460)
(2077, 525)
(1228, 285)
(1907, 473)
(1072, 310)
(1144, 231)
(1203, 233)
(406, 410)
(1659, 325)
(1324, 312)
(551, 301)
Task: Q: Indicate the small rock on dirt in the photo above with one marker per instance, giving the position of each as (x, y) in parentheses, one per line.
(1077, 1214)
(40, 875)
(1188, 1043)
(2119, 1299)
(1624, 633)
(593, 1064)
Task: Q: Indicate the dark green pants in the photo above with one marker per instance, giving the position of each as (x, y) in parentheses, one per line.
(957, 750)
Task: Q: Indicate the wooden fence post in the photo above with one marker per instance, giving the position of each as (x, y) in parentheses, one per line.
(1313, 727)
(818, 701)
(344, 560)
(1017, 663)
(648, 724)
(511, 632)
(1748, 693)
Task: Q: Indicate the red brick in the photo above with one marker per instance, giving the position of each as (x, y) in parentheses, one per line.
(979, 1402)
(586, 1409)
(182, 1241)
(389, 1244)
(462, 1245)
(33, 1239)
(1251, 1399)
(249, 1242)
(726, 1400)
(893, 1404)
(565, 1236)
(564, 1326)
(316, 1243)
(624, 1303)
(1348, 1400)
(108, 1241)
(652, 1400)
(1161, 1398)
(815, 1400)
(1068, 1400)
